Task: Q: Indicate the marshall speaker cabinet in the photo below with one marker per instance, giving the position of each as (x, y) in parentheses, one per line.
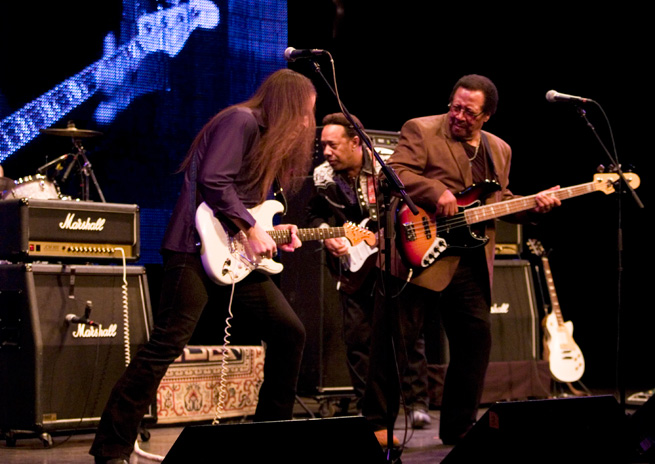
(65, 335)
(68, 230)
(514, 315)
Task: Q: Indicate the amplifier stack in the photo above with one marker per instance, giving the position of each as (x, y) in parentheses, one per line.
(71, 314)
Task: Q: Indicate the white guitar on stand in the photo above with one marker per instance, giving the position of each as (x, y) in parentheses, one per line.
(564, 356)
(227, 259)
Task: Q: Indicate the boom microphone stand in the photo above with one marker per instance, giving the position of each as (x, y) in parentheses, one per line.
(622, 182)
(393, 186)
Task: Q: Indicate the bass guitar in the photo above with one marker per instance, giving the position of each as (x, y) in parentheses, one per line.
(564, 356)
(227, 259)
(423, 238)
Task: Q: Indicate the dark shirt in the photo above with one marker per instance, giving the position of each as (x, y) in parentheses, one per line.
(337, 199)
(220, 181)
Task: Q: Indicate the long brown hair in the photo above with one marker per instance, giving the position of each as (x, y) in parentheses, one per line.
(285, 149)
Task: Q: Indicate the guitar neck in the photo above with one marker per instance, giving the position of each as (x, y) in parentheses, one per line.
(164, 30)
(551, 291)
(60, 100)
(504, 208)
(321, 233)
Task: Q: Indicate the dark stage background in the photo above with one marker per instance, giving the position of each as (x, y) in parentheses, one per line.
(392, 63)
(397, 62)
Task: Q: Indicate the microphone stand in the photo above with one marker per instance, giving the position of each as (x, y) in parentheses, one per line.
(635, 197)
(393, 185)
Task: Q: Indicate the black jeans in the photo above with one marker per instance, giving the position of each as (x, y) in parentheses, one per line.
(186, 291)
(358, 311)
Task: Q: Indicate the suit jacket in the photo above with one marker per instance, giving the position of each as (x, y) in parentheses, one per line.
(428, 161)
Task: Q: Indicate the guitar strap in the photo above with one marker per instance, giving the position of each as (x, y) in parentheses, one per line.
(489, 165)
(193, 179)
(368, 187)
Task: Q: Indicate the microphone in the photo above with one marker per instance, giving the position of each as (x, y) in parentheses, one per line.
(75, 319)
(45, 167)
(67, 173)
(291, 54)
(553, 96)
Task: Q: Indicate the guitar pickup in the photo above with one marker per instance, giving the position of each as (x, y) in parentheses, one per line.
(410, 231)
(426, 227)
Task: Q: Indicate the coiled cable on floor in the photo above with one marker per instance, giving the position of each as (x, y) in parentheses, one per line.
(222, 385)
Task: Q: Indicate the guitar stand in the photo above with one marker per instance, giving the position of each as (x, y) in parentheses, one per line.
(559, 389)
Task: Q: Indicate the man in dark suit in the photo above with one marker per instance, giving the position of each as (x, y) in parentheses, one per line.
(436, 158)
(345, 190)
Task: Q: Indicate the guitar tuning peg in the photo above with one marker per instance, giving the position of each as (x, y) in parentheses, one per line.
(600, 168)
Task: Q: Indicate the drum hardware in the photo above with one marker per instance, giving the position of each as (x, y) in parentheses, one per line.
(32, 187)
(46, 166)
(78, 157)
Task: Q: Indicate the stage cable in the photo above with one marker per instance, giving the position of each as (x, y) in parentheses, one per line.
(222, 386)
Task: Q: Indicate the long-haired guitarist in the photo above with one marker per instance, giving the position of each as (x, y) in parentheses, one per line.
(232, 165)
(438, 157)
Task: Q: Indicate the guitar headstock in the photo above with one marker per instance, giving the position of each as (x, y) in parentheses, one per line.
(604, 181)
(167, 30)
(356, 234)
(536, 247)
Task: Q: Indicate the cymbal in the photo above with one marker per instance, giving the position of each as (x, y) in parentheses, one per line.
(71, 131)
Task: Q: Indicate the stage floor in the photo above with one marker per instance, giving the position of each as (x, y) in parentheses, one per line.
(421, 446)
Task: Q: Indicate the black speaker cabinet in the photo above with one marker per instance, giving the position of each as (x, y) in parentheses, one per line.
(514, 314)
(344, 440)
(641, 433)
(311, 291)
(566, 430)
(55, 373)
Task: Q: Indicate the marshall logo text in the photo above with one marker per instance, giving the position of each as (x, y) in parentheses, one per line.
(84, 331)
(78, 224)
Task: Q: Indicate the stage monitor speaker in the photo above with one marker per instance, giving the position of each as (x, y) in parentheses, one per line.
(641, 433)
(514, 315)
(56, 374)
(566, 430)
(344, 440)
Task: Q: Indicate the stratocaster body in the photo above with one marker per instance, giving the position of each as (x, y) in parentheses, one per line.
(228, 259)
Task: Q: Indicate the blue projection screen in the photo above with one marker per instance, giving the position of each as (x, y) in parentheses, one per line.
(145, 75)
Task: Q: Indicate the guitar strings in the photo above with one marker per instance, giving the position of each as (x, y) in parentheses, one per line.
(421, 232)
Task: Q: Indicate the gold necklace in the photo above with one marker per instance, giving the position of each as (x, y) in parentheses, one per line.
(475, 155)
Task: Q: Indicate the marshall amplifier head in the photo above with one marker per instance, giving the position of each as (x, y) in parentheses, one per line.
(68, 230)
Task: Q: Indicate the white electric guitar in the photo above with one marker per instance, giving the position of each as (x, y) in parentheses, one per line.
(358, 254)
(228, 259)
(565, 358)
